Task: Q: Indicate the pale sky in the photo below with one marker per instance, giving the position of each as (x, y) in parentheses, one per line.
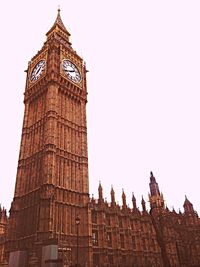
(143, 105)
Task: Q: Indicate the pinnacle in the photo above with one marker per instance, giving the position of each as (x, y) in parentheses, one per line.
(187, 202)
(100, 186)
(133, 196)
(112, 190)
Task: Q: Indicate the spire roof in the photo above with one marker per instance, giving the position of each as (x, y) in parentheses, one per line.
(100, 190)
(100, 186)
(58, 22)
(123, 194)
(123, 198)
(112, 190)
(154, 188)
(152, 178)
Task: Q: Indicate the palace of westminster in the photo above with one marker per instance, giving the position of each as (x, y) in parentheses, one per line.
(53, 221)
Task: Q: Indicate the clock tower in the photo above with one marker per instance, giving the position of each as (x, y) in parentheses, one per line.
(51, 189)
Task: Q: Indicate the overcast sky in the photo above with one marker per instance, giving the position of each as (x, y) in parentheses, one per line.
(143, 105)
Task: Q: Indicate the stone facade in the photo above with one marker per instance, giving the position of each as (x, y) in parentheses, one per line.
(124, 236)
(52, 219)
(129, 237)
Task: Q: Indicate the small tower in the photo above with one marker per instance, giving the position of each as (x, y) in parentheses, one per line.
(124, 205)
(155, 197)
(112, 193)
(134, 202)
(100, 190)
(188, 206)
(143, 205)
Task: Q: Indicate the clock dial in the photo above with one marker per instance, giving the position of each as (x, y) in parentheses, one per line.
(71, 71)
(37, 70)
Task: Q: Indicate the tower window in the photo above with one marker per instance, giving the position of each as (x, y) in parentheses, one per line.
(94, 216)
(95, 238)
(122, 240)
(120, 222)
(109, 239)
(132, 225)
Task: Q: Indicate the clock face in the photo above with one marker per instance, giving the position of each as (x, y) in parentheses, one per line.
(71, 71)
(37, 70)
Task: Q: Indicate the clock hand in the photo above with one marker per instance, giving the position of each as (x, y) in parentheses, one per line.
(38, 70)
(70, 70)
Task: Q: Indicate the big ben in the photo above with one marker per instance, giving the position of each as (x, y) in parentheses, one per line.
(51, 188)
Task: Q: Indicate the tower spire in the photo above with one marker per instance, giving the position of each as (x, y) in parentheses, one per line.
(100, 190)
(59, 27)
(143, 205)
(188, 206)
(154, 188)
(123, 199)
(112, 193)
(155, 197)
(134, 201)
(58, 20)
